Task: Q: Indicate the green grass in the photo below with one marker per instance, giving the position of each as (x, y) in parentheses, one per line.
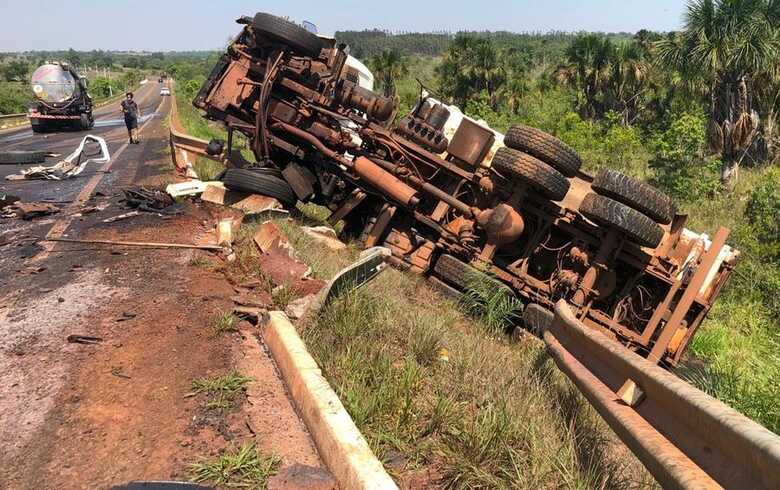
(207, 169)
(224, 322)
(244, 467)
(223, 390)
(439, 388)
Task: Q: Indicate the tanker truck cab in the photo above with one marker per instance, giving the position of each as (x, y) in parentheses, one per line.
(62, 100)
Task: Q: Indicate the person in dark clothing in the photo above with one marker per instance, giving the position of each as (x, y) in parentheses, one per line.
(131, 113)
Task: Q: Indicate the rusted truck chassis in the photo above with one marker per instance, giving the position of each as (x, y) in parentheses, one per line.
(453, 199)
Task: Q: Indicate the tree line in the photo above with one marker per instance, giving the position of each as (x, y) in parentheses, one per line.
(725, 62)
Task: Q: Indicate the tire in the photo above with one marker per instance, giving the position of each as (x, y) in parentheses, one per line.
(289, 33)
(22, 157)
(529, 170)
(638, 227)
(259, 182)
(84, 122)
(638, 195)
(545, 147)
(461, 275)
(537, 318)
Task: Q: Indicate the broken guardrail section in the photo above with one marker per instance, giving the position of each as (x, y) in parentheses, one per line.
(684, 437)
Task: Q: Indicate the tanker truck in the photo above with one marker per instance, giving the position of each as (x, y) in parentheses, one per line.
(62, 101)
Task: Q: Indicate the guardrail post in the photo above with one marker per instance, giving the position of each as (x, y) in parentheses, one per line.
(684, 437)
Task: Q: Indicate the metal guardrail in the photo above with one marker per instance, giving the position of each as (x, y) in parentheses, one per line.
(684, 437)
(12, 116)
(182, 144)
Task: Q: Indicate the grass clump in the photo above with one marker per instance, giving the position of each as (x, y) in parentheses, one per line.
(492, 303)
(244, 467)
(441, 399)
(207, 169)
(223, 390)
(224, 322)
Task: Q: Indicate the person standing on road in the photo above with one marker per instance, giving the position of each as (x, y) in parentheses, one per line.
(132, 113)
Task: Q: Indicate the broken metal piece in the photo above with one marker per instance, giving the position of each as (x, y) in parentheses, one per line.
(30, 210)
(84, 339)
(71, 166)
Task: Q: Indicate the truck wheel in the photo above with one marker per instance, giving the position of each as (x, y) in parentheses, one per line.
(256, 181)
(640, 196)
(537, 318)
(545, 147)
(462, 275)
(289, 33)
(38, 128)
(84, 122)
(529, 170)
(637, 226)
(22, 157)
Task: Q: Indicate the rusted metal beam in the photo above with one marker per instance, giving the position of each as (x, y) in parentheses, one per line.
(684, 437)
(689, 295)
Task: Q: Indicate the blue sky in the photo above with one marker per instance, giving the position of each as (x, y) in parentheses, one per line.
(207, 24)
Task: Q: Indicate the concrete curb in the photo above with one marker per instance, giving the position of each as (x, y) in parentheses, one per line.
(341, 445)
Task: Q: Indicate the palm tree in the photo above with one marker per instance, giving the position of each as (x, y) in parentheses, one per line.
(626, 82)
(388, 66)
(589, 57)
(727, 44)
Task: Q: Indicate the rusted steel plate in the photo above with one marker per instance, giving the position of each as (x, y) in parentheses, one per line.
(684, 437)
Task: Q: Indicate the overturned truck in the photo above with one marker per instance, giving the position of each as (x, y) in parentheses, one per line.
(454, 199)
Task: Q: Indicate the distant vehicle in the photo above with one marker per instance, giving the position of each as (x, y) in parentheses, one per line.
(165, 91)
(62, 99)
(160, 80)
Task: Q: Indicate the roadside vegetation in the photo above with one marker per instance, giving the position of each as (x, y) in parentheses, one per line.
(221, 391)
(244, 467)
(693, 112)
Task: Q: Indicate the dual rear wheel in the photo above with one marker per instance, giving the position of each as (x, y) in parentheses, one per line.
(544, 163)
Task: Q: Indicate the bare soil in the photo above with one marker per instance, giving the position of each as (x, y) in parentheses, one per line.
(91, 416)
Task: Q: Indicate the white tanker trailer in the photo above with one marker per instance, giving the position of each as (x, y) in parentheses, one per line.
(62, 101)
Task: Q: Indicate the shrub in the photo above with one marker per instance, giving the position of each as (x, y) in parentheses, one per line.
(680, 165)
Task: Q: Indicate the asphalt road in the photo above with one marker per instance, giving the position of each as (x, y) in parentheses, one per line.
(109, 124)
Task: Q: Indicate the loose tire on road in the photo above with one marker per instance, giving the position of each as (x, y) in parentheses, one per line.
(545, 147)
(638, 227)
(537, 318)
(256, 181)
(462, 275)
(21, 157)
(532, 171)
(289, 33)
(640, 196)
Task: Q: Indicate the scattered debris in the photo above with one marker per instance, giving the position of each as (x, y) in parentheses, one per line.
(257, 315)
(126, 316)
(298, 308)
(29, 210)
(215, 248)
(146, 199)
(249, 204)
(278, 257)
(71, 166)
(253, 301)
(21, 157)
(324, 235)
(7, 199)
(84, 339)
(122, 216)
(189, 188)
(302, 477)
(116, 371)
(225, 232)
(372, 261)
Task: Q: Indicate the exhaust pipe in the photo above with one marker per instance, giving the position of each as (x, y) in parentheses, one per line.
(387, 182)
